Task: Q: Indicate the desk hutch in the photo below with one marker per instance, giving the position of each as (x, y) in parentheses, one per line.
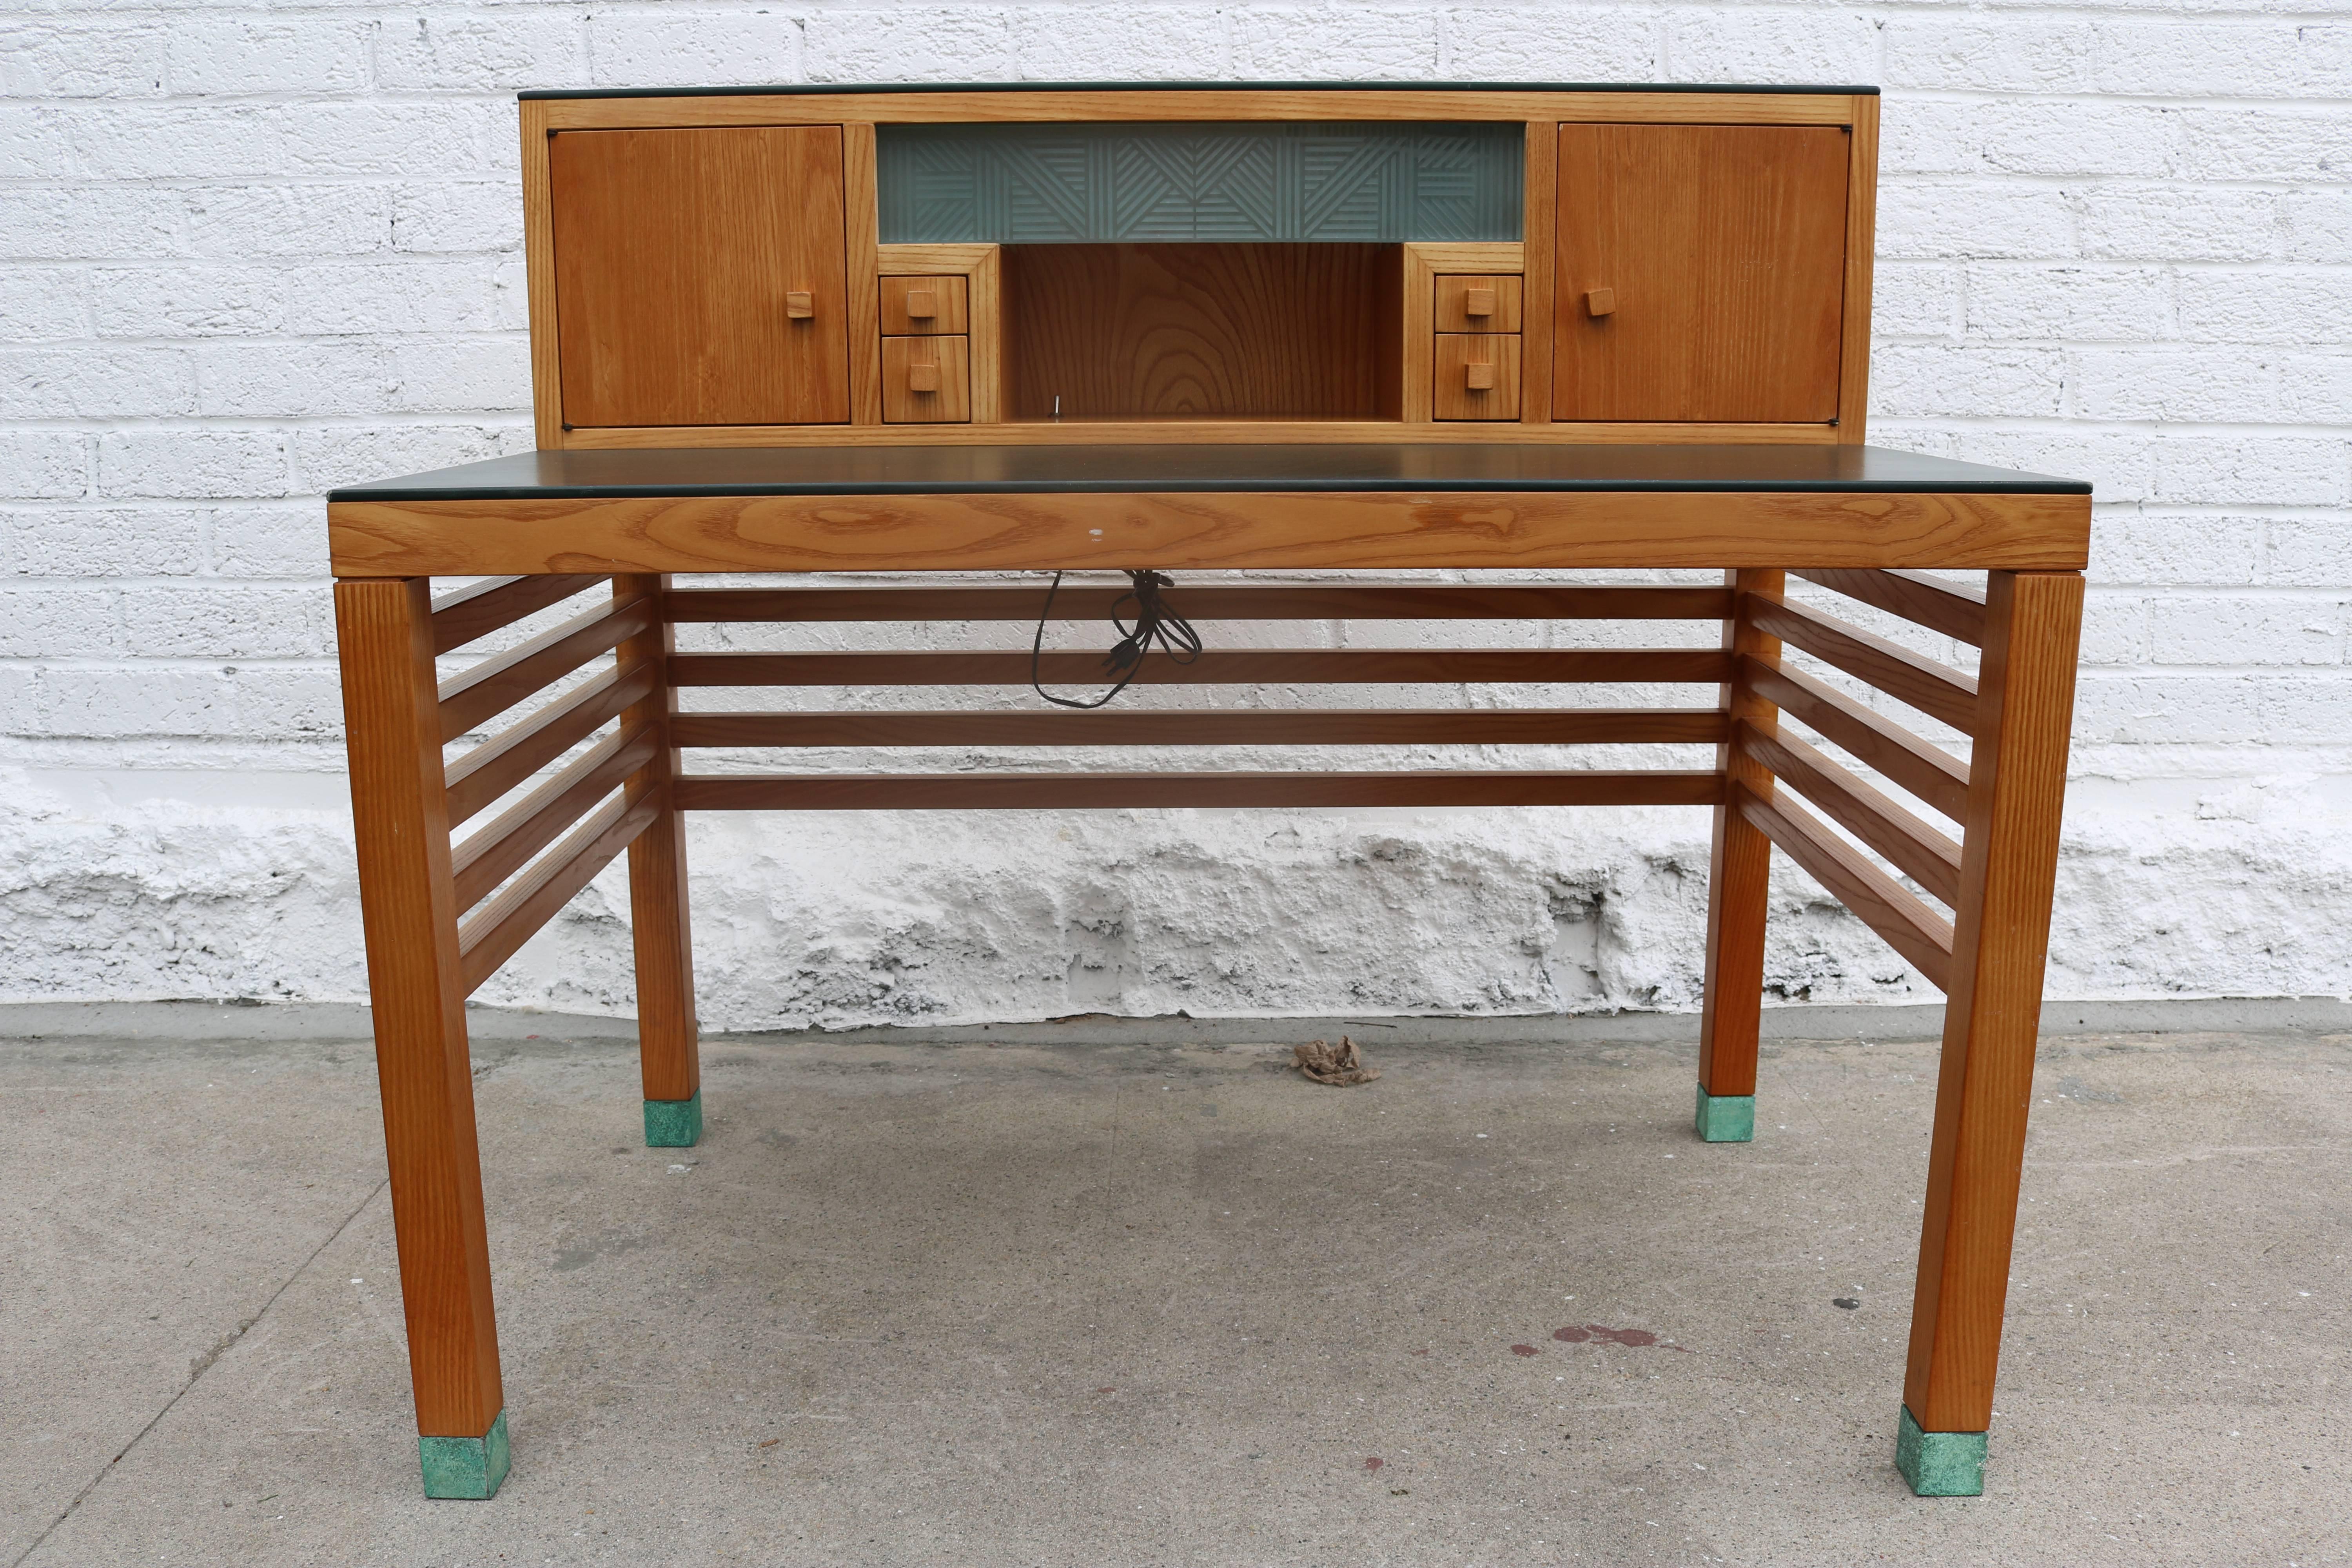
(1470, 330)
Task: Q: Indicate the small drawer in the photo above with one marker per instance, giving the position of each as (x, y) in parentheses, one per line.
(926, 306)
(1478, 376)
(928, 381)
(1467, 304)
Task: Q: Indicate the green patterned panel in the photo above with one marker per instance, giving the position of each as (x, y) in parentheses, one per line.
(1077, 185)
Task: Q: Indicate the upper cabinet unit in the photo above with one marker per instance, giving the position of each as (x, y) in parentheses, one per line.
(1700, 273)
(699, 275)
(1087, 264)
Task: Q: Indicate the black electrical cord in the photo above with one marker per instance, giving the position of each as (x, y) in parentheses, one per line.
(1154, 624)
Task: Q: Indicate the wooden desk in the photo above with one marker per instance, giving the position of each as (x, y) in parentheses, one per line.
(442, 914)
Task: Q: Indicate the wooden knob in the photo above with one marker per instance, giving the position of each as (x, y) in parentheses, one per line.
(1478, 302)
(922, 304)
(922, 378)
(1600, 301)
(800, 304)
(1478, 377)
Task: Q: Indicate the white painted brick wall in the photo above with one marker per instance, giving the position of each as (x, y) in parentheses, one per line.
(250, 252)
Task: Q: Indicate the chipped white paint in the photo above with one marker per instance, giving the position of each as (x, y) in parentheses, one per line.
(252, 253)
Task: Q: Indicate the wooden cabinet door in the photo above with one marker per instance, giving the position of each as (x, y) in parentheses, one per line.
(1700, 272)
(699, 275)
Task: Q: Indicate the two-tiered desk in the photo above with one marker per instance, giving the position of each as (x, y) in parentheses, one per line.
(1487, 332)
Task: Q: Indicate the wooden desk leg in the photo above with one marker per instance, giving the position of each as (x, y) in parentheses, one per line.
(1739, 874)
(2009, 867)
(401, 819)
(667, 1038)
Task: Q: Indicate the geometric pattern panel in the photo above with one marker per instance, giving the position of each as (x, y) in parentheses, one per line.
(1317, 179)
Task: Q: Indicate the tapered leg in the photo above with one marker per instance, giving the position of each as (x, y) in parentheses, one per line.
(402, 823)
(1740, 872)
(667, 1038)
(2008, 864)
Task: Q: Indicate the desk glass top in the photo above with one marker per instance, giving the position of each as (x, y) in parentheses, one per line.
(1158, 470)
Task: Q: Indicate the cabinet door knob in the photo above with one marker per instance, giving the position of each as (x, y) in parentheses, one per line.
(1477, 302)
(922, 378)
(922, 304)
(800, 304)
(1478, 377)
(1600, 301)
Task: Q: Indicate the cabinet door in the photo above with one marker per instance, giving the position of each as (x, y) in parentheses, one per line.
(699, 275)
(1700, 272)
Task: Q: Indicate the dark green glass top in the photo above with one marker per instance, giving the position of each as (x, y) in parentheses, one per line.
(1149, 470)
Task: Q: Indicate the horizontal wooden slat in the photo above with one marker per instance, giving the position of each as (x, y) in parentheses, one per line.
(1903, 674)
(1219, 667)
(496, 684)
(523, 829)
(481, 608)
(1909, 927)
(1931, 859)
(1301, 602)
(1002, 791)
(1924, 768)
(1199, 531)
(1240, 726)
(499, 763)
(509, 921)
(1930, 601)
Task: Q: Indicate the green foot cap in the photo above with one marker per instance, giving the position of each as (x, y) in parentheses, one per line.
(466, 1466)
(673, 1123)
(1725, 1118)
(1939, 1464)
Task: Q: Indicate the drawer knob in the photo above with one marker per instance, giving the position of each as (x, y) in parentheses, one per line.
(922, 304)
(1478, 377)
(800, 304)
(1478, 302)
(1600, 301)
(922, 378)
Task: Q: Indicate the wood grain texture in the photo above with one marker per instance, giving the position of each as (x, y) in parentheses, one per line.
(1450, 312)
(669, 1034)
(1237, 103)
(1419, 263)
(2008, 877)
(1739, 868)
(1198, 601)
(1196, 531)
(861, 272)
(1453, 397)
(948, 364)
(1200, 791)
(1922, 937)
(1861, 252)
(1928, 857)
(1725, 246)
(1199, 332)
(476, 611)
(674, 250)
(1218, 667)
(980, 268)
(1920, 766)
(501, 926)
(1115, 431)
(499, 763)
(1235, 727)
(505, 844)
(1537, 331)
(1947, 607)
(947, 301)
(1931, 687)
(539, 275)
(497, 683)
(391, 725)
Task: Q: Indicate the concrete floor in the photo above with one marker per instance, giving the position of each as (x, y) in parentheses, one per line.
(1144, 1304)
